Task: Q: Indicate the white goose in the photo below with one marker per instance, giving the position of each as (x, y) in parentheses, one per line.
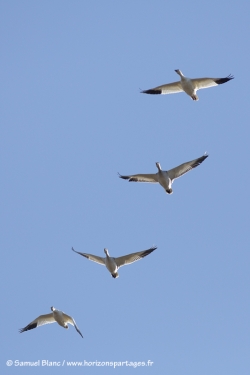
(166, 178)
(190, 86)
(113, 264)
(56, 316)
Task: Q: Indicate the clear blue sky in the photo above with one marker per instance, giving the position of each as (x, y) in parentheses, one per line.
(71, 118)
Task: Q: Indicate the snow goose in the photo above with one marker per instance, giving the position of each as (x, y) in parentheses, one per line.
(56, 316)
(113, 264)
(166, 178)
(190, 86)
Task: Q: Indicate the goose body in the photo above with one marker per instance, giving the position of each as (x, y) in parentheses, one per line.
(189, 86)
(166, 178)
(113, 264)
(56, 316)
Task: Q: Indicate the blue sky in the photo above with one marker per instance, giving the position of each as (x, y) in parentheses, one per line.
(72, 117)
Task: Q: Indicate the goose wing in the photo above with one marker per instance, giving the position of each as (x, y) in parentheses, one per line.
(71, 321)
(131, 258)
(204, 83)
(40, 321)
(168, 88)
(140, 177)
(185, 167)
(94, 258)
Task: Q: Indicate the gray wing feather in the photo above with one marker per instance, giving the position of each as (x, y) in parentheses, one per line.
(71, 321)
(203, 83)
(168, 88)
(40, 321)
(150, 178)
(185, 167)
(131, 258)
(94, 258)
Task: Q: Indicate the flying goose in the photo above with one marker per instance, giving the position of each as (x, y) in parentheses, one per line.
(113, 264)
(166, 178)
(56, 316)
(190, 86)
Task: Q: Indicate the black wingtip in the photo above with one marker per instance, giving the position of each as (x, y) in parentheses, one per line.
(224, 80)
(123, 177)
(21, 330)
(27, 328)
(200, 160)
(152, 92)
(153, 248)
(79, 333)
(149, 251)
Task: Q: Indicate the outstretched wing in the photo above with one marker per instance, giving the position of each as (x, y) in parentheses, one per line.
(40, 321)
(169, 88)
(131, 258)
(140, 178)
(71, 321)
(204, 83)
(185, 167)
(94, 258)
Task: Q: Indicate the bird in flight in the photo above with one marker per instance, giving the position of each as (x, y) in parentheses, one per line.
(165, 178)
(56, 316)
(188, 85)
(113, 264)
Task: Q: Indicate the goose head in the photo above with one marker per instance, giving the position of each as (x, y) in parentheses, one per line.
(158, 166)
(52, 308)
(178, 71)
(106, 252)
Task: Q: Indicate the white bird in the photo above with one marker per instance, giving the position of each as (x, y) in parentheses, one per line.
(166, 178)
(113, 264)
(56, 316)
(190, 86)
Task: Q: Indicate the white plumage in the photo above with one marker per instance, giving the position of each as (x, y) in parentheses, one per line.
(166, 178)
(56, 316)
(113, 264)
(188, 85)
